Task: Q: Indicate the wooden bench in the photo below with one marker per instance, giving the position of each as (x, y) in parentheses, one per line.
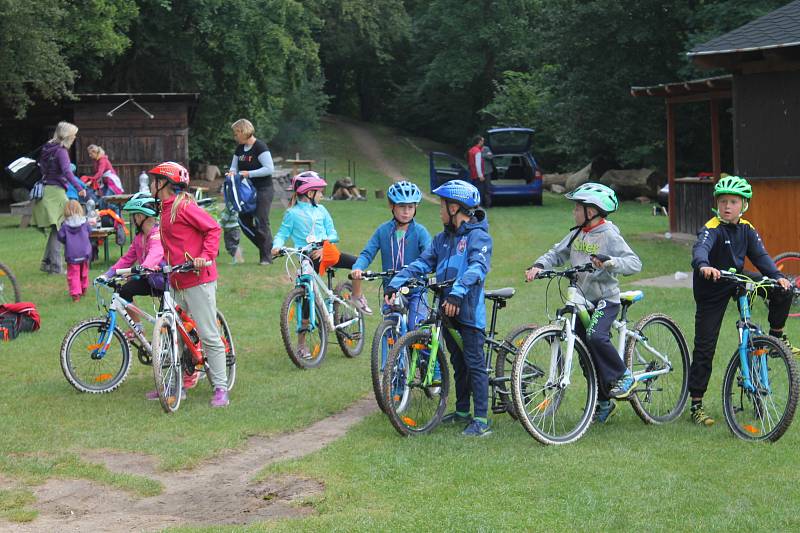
(104, 235)
(25, 210)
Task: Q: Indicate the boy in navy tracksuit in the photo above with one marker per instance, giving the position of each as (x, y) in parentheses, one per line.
(462, 252)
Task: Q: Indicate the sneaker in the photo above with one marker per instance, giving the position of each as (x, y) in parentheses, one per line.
(190, 380)
(477, 429)
(153, 395)
(604, 411)
(238, 257)
(700, 417)
(264, 262)
(220, 398)
(76, 298)
(456, 418)
(361, 304)
(130, 335)
(303, 352)
(623, 387)
(794, 349)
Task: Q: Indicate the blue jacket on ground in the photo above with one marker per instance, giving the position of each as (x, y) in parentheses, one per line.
(464, 256)
(416, 238)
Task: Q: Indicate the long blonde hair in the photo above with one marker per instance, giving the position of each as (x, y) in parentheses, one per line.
(94, 148)
(183, 198)
(65, 134)
(72, 208)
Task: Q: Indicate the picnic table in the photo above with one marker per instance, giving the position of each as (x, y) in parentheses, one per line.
(104, 234)
(25, 210)
(298, 164)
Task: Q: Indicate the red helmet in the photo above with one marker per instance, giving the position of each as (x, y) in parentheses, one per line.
(308, 181)
(175, 173)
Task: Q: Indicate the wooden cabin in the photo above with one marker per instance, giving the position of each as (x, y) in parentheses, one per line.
(763, 60)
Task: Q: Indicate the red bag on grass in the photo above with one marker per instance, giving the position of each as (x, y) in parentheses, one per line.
(18, 318)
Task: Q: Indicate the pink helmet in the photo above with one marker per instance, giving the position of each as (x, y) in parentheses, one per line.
(308, 181)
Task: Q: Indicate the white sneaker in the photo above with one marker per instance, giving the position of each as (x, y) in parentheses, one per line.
(361, 304)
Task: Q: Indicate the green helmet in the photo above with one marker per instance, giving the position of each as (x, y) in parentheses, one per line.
(600, 196)
(733, 185)
(143, 203)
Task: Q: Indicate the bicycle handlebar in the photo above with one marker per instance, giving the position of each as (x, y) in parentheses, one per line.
(305, 250)
(566, 273)
(743, 279)
(188, 266)
(369, 275)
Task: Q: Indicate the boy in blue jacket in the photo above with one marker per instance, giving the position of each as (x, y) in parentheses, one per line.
(461, 252)
(401, 240)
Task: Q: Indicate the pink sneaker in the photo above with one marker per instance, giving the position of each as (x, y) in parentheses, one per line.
(220, 398)
(190, 380)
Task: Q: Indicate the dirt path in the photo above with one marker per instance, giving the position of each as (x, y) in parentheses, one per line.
(218, 492)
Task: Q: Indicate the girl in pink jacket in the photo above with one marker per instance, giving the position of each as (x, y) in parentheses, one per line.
(190, 234)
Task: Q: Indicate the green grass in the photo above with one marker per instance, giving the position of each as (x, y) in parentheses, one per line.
(622, 476)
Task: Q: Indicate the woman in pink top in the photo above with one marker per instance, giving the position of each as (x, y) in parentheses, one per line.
(105, 180)
(190, 234)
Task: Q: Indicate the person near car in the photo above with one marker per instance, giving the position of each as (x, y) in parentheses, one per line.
(475, 161)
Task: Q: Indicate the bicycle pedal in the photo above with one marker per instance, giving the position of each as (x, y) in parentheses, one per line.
(499, 409)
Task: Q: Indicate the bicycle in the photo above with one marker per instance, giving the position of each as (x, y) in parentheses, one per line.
(408, 376)
(760, 387)
(331, 311)
(9, 288)
(655, 352)
(788, 264)
(95, 354)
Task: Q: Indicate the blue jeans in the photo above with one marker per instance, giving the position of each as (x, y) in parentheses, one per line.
(469, 369)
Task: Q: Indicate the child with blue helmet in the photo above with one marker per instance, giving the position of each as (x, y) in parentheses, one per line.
(400, 241)
(462, 252)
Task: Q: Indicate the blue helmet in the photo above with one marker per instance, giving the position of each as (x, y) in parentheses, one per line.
(461, 192)
(404, 192)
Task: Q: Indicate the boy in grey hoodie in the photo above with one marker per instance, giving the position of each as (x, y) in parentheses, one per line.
(596, 240)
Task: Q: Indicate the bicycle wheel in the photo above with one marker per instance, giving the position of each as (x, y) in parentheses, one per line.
(550, 413)
(167, 370)
(83, 364)
(503, 363)
(385, 338)
(662, 398)
(413, 407)
(316, 340)
(351, 338)
(789, 264)
(9, 288)
(766, 413)
(230, 351)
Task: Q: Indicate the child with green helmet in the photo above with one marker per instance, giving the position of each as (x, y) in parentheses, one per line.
(722, 244)
(598, 241)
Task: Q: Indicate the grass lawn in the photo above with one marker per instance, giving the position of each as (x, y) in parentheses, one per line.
(621, 476)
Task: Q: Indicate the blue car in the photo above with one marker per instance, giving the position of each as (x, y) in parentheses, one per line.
(515, 174)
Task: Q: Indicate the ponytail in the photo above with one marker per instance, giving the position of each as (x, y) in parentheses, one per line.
(182, 198)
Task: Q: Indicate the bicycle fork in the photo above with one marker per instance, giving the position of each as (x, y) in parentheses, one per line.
(744, 349)
(99, 350)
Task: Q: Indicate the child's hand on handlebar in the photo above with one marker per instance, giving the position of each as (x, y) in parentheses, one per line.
(710, 273)
(451, 305)
(200, 262)
(531, 273)
(356, 274)
(316, 254)
(388, 295)
(785, 284)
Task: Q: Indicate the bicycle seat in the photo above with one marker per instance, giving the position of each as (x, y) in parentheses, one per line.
(630, 297)
(501, 294)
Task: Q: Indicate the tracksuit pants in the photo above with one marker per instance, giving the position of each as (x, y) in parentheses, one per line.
(597, 336)
(256, 225)
(469, 369)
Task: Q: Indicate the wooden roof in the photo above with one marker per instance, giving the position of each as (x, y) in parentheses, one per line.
(139, 97)
(689, 90)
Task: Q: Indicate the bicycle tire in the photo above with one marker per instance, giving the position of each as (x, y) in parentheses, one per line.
(6, 275)
(760, 426)
(504, 361)
(531, 371)
(103, 375)
(377, 353)
(351, 345)
(642, 398)
(288, 325)
(167, 367)
(230, 352)
(416, 409)
(789, 265)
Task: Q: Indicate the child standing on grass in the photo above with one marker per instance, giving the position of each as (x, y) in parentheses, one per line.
(229, 221)
(723, 243)
(596, 240)
(462, 252)
(188, 233)
(74, 235)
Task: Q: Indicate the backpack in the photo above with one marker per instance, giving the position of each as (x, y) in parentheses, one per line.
(25, 170)
(240, 195)
(18, 318)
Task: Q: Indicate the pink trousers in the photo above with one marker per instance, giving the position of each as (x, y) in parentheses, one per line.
(77, 278)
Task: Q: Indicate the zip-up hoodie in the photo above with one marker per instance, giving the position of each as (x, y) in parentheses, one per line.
(195, 233)
(416, 240)
(54, 164)
(74, 233)
(302, 220)
(603, 239)
(464, 256)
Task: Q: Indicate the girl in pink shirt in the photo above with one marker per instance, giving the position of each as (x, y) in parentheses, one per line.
(105, 179)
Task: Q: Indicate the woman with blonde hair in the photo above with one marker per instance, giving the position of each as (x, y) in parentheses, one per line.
(252, 160)
(48, 212)
(105, 179)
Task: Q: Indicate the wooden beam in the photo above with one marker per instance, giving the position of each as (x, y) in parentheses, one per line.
(716, 163)
(699, 97)
(671, 166)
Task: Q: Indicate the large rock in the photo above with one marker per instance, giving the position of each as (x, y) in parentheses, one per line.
(630, 184)
(558, 189)
(554, 179)
(590, 172)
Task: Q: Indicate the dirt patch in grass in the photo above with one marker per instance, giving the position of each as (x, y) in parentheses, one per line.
(220, 491)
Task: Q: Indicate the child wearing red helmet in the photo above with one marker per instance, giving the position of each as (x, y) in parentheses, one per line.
(189, 233)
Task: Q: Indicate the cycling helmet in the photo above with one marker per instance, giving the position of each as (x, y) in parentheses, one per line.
(404, 192)
(460, 192)
(143, 203)
(733, 185)
(308, 181)
(172, 172)
(595, 194)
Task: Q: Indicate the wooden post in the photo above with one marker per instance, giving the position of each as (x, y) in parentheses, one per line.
(716, 163)
(673, 222)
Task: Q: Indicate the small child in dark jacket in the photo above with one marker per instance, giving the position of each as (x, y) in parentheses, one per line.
(74, 234)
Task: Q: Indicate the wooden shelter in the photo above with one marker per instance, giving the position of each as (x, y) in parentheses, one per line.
(763, 59)
(137, 130)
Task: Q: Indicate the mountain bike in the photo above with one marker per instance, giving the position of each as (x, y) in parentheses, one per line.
(789, 265)
(313, 307)
(556, 399)
(760, 387)
(95, 354)
(415, 401)
(9, 288)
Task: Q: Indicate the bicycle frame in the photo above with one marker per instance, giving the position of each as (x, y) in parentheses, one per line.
(119, 305)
